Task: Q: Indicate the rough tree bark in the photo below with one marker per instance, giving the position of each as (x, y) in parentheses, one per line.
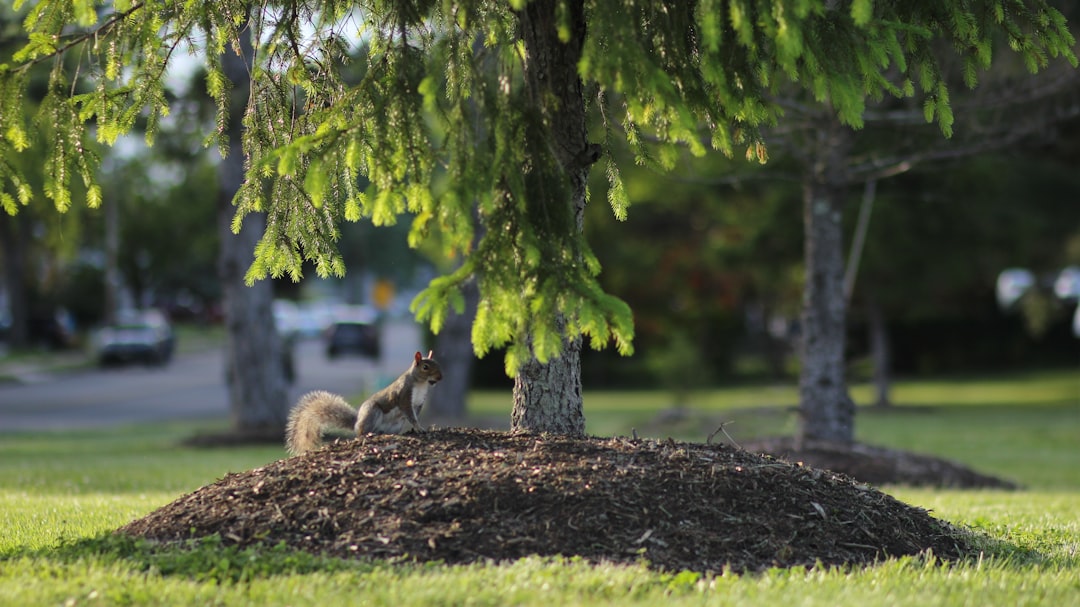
(547, 396)
(258, 393)
(826, 411)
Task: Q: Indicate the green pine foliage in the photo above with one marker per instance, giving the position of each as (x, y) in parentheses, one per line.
(368, 110)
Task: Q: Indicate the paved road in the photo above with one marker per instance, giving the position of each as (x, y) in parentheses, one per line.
(190, 387)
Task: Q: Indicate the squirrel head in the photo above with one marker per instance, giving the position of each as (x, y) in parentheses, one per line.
(426, 369)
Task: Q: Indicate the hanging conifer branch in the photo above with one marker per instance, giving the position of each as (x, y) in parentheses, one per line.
(377, 110)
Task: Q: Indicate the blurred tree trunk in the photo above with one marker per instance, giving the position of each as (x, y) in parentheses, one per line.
(258, 393)
(454, 351)
(880, 353)
(826, 411)
(112, 259)
(875, 317)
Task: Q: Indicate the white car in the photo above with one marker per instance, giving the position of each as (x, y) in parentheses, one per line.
(136, 336)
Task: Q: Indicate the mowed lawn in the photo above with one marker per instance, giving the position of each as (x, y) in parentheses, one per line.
(61, 493)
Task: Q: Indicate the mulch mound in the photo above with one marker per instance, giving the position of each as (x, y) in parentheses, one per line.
(462, 496)
(880, 465)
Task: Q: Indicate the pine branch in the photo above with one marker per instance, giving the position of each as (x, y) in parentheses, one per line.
(98, 32)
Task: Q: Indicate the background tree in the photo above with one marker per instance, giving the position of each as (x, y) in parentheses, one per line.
(659, 71)
(941, 235)
(254, 351)
(713, 249)
(834, 160)
(163, 192)
(37, 243)
(711, 258)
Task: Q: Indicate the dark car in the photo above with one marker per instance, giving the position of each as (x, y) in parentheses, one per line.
(356, 333)
(136, 337)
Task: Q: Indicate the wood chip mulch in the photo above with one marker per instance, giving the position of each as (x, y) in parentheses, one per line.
(880, 465)
(462, 496)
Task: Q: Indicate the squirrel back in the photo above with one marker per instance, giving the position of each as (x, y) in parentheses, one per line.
(392, 410)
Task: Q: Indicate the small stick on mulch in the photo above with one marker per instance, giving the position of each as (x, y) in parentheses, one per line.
(718, 430)
(462, 496)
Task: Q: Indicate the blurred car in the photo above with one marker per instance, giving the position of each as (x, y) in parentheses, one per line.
(313, 319)
(355, 331)
(137, 336)
(286, 318)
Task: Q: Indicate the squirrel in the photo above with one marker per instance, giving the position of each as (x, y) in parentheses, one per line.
(392, 410)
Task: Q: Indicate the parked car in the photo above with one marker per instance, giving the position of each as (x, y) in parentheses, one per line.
(137, 336)
(354, 332)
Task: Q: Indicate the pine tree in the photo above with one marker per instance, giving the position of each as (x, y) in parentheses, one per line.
(488, 105)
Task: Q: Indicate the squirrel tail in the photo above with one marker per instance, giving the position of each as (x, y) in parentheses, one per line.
(312, 413)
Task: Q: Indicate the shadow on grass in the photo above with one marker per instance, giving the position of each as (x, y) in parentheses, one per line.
(211, 560)
(206, 559)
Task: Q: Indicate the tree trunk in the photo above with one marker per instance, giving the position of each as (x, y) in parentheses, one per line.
(112, 259)
(454, 351)
(826, 411)
(880, 353)
(547, 396)
(258, 393)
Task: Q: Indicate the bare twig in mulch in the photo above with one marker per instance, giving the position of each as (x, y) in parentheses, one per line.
(462, 496)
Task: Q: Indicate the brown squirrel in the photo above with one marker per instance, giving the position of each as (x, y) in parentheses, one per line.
(392, 410)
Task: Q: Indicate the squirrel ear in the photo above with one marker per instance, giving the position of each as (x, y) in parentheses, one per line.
(417, 357)
(430, 353)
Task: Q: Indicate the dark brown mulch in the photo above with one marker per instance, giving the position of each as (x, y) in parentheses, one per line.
(879, 465)
(867, 463)
(463, 496)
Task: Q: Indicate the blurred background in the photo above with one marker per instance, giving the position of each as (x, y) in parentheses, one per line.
(967, 266)
(964, 257)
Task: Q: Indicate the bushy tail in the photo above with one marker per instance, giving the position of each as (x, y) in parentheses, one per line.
(313, 413)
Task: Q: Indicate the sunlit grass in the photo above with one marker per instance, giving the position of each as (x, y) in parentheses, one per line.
(150, 458)
(1032, 561)
(1055, 387)
(62, 494)
(32, 521)
(966, 418)
(495, 403)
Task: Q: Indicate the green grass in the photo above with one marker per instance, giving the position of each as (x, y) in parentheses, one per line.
(61, 493)
(1035, 415)
(189, 338)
